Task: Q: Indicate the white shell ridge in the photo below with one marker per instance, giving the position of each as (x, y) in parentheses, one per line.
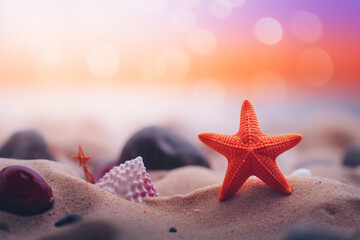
(129, 180)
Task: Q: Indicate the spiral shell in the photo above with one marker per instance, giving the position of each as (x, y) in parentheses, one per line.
(129, 180)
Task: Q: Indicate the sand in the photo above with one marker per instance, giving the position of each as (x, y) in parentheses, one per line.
(185, 180)
(255, 212)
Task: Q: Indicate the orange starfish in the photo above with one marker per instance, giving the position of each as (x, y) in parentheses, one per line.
(83, 162)
(251, 152)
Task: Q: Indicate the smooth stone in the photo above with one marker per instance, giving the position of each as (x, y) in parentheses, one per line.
(302, 172)
(27, 144)
(162, 148)
(352, 157)
(23, 191)
(68, 219)
(313, 232)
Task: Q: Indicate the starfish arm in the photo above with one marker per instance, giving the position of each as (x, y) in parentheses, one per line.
(274, 145)
(266, 169)
(249, 124)
(237, 172)
(77, 158)
(226, 145)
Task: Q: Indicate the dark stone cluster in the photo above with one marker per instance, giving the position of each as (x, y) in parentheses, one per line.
(162, 148)
(27, 144)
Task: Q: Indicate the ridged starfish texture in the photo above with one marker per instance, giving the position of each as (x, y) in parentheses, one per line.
(251, 152)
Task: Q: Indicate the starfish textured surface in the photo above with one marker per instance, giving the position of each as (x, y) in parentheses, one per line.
(251, 152)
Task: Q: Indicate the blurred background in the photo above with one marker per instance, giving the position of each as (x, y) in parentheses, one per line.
(93, 72)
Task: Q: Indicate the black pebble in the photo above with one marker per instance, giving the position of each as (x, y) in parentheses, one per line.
(173, 230)
(27, 144)
(162, 148)
(72, 218)
(313, 232)
(352, 157)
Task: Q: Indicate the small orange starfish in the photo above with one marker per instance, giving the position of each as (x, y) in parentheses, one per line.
(251, 152)
(83, 162)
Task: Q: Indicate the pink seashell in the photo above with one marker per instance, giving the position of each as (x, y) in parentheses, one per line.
(129, 180)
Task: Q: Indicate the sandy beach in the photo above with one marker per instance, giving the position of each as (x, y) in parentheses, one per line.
(255, 212)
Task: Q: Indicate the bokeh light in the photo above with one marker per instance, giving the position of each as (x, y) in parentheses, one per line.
(202, 41)
(191, 3)
(52, 58)
(103, 60)
(152, 67)
(269, 87)
(209, 95)
(177, 63)
(220, 8)
(315, 67)
(183, 19)
(46, 45)
(306, 26)
(268, 31)
(237, 3)
(228, 40)
(151, 7)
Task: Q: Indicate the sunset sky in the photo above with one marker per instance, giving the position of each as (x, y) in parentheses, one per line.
(278, 47)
